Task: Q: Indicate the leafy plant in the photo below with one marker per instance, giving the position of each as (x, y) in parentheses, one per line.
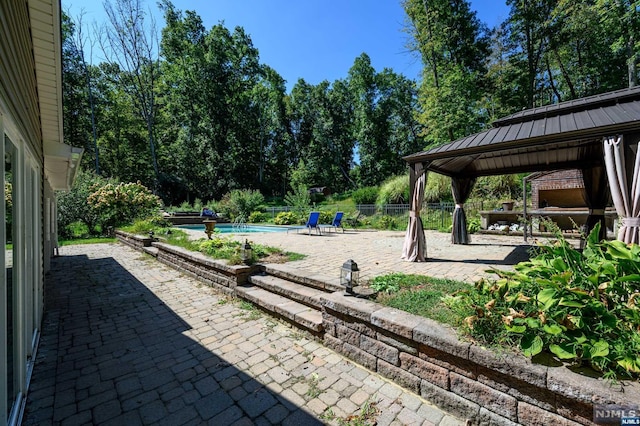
(286, 218)
(387, 222)
(240, 203)
(73, 206)
(258, 217)
(582, 307)
(365, 195)
(473, 225)
(326, 216)
(122, 203)
(387, 283)
(299, 199)
(394, 190)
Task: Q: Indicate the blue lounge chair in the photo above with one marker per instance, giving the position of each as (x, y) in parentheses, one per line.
(312, 222)
(336, 222)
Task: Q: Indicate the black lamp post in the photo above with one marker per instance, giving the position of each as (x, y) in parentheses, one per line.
(349, 276)
(246, 252)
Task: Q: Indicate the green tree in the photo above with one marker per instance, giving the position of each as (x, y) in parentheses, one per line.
(213, 85)
(453, 45)
(130, 43)
(77, 125)
(385, 126)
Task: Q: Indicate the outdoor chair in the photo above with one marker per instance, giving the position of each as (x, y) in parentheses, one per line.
(312, 223)
(335, 223)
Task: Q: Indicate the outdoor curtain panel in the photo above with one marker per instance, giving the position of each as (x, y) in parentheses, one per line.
(414, 248)
(460, 188)
(625, 187)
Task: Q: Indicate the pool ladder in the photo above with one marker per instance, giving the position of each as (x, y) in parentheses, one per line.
(239, 224)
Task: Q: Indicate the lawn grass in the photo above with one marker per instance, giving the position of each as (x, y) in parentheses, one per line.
(419, 295)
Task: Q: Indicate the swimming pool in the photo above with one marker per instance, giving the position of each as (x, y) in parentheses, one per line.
(228, 228)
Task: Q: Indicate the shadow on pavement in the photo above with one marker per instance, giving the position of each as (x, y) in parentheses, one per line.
(518, 254)
(112, 353)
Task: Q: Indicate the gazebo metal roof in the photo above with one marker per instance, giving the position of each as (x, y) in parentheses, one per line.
(562, 136)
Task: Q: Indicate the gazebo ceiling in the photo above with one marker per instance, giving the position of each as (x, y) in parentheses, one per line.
(562, 136)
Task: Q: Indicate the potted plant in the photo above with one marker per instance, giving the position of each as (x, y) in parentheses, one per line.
(507, 205)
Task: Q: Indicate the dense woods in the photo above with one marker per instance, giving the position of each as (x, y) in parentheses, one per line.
(192, 112)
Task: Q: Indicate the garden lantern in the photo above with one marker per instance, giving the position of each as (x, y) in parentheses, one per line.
(349, 276)
(245, 252)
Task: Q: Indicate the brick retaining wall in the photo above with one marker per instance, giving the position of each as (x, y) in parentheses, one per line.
(487, 388)
(214, 273)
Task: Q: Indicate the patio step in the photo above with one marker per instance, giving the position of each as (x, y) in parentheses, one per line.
(297, 292)
(298, 313)
(327, 283)
(153, 251)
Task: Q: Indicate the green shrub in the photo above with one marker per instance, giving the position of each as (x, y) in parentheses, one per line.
(122, 203)
(394, 190)
(326, 216)
(240, 203)
(503, 187)
(473, 225)
(438, 188)
(144, 226)
(258, 217)
(581, 307)
(366, 195)
(76, 230)
(73, 206)
(387, 222)
(286, 218)
(299, 199)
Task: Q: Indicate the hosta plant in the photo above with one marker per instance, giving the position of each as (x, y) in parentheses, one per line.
(580, 306)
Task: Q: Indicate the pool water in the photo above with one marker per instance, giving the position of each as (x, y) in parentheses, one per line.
(227, 228)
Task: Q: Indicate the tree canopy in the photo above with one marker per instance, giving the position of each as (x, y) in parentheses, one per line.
(193, 112)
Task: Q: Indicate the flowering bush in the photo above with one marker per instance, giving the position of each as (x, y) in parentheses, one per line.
(73, 207)
(122, 203)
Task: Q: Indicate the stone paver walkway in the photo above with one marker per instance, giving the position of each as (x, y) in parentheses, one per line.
(379, 252)
(127, 341)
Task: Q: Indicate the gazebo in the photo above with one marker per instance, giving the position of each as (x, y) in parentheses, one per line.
(598, 135)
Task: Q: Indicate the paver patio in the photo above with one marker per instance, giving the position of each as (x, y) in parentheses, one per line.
(378, 252)
(127, 340)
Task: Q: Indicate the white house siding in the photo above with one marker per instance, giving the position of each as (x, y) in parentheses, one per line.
(36, 163)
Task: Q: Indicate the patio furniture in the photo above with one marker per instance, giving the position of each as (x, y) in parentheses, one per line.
(312, 223)
(335, 223)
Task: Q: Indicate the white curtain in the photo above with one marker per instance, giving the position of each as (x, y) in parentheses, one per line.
(414, 248)
(625, 188)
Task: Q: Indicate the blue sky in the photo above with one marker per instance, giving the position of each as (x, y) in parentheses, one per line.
(314, 40)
